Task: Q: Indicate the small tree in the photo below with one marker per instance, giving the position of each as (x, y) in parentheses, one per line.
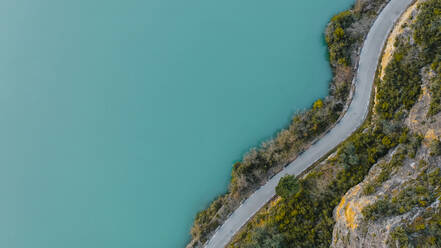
(288, 186)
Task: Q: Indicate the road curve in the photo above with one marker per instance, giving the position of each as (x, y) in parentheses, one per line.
(352, 120)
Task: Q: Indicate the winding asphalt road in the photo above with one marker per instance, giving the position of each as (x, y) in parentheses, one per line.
(352, 120)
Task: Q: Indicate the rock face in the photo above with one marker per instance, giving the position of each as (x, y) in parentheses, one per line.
(398, 203)
(353, 229)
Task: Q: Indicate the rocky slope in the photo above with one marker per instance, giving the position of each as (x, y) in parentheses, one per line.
(412, 186)
(398, 202)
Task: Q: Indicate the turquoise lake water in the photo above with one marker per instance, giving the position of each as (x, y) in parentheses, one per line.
(119, 120)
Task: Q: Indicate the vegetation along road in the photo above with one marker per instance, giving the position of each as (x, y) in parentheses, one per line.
(353, 118)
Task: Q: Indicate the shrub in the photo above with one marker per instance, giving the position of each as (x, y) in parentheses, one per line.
(288, 186)
(435, 148)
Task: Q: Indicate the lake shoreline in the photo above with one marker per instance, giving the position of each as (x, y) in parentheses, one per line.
(343, 67)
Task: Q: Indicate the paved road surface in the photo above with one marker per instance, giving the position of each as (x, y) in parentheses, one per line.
(354, 117)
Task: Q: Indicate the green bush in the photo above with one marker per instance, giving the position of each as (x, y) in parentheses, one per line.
(288, 186)
(339, 42)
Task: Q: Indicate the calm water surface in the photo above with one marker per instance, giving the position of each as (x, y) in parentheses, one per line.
(121, 119)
